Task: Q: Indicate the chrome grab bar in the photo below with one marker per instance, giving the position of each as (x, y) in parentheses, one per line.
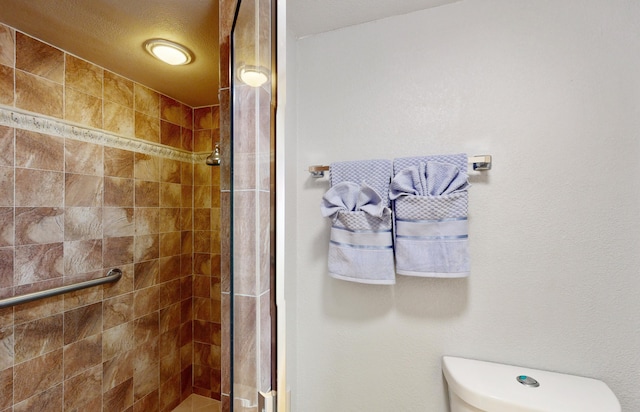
(112, 276)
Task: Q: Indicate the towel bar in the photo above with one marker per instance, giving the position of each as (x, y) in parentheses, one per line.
(478, 162)
(112, 276)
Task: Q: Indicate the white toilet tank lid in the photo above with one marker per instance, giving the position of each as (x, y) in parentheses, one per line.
(494, 387)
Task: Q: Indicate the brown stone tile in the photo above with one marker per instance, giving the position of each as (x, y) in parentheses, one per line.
(169, 244)
(225, 140)
(146, 100)
(82, 223)
(49, 400)
(118, 221)
(147, 351)
(39, 151)
(170, 392)
(202, 196)
(117, 251)
(169, 293)
(186, 264)
(34, 263)
(117, 370)
(202, 118)
(35, 338)
(36, 57)
(186, 217)
(6, 85)
(39, 188)
(118, 192)
(82, 256)
(120, 397)
(186, 350)
(201, 175)
(119, 119)
(170, 171)
(147, 221)
(83, 108)
(147, 127)
(38, 95)
(187, 117)
(7, 228)
(117, 341)
(38, 225)
(83, 76)
(82, 322)
(118, 163)
(170, 195)
(169, 219)
(145, 302)
(202, 263)
(171, 110)
(202, 241)
(169, 268)
(170, 134)
(202, 141)
(146, 381)
(82, 355)
(118, 89)
(7, 351)
(170, 320)
(170, 341)
(146, 248)
(147, 167)
(7, 186)
(84, 158)
(40, 308)
(187, 139)
(6, 274)
(81, 390)
(7, 146)
(201, 286)
(83, 190)
(7, 45)
(37, 375)
(146, 274)
(147, 403)
(6, 387)
(117, 311)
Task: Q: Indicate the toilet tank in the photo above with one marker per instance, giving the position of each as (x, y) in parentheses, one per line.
(478, 386)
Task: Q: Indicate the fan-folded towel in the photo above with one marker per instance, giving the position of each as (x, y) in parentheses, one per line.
(361, 244)
(430, 204)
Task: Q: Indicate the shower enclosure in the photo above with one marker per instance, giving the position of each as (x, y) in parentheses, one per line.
(252, 205)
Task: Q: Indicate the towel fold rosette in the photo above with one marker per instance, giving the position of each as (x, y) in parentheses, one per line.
(361, 244)
(430, 205)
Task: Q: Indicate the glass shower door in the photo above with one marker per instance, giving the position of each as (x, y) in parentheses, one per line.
(252, 204)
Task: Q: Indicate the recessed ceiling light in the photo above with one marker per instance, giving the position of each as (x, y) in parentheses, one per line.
(254, 76)
(169, 52)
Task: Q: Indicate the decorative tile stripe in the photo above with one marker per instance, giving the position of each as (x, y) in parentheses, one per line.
(34, 122)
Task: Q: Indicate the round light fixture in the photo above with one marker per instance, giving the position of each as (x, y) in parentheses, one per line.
(169, 52)
(253, 76)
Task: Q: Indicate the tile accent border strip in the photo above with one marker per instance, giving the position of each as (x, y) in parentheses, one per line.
(34, 122)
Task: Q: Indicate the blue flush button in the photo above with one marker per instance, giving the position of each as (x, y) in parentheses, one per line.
(528, 381)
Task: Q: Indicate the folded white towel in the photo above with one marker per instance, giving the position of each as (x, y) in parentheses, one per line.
(430, 204)
(361, 245)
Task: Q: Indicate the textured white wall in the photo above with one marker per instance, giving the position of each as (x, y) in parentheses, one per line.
(552, 90)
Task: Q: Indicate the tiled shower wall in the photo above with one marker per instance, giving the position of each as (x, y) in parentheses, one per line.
(70, 210)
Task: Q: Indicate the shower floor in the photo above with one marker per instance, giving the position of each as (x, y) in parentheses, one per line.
(197, 403)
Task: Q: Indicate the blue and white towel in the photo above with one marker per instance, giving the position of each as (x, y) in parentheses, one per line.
(361, 245)
(430, 205)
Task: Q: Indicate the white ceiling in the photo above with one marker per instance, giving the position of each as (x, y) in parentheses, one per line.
(110, 33)
(307, 17)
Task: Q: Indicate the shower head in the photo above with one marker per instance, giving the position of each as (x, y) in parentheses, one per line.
(214, 158)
